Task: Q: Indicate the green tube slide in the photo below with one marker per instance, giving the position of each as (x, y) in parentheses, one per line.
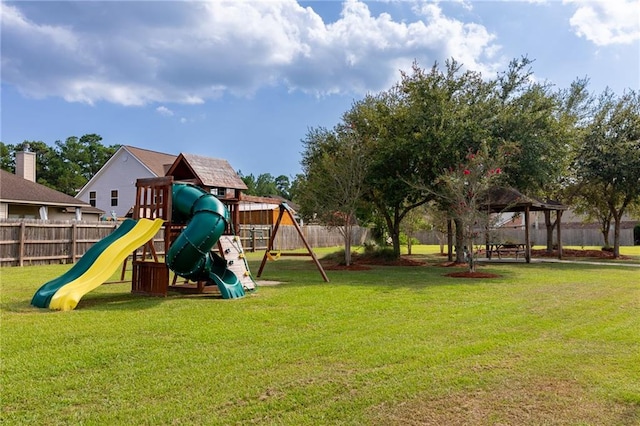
(190, 254)
(42, 297)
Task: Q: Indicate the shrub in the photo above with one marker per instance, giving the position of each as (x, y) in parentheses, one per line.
(370, 247)
(382, 254)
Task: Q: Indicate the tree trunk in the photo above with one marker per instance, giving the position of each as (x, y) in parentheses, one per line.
(617, 217)
(346, 230)
(441, 243)
(616, 236)
(470, 259)
(459, 241)
(606, 224)
(605, 237)
(549, 225)
(449, 240)
(394, 229)
(347, 245)
(395, 239)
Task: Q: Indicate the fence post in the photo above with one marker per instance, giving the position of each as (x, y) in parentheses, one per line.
(253, 241)
(74, 242)
(21, 239)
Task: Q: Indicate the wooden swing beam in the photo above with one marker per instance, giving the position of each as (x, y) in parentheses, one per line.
(285, 208)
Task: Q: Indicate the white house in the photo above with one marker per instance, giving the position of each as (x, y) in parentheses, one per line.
(113, 188)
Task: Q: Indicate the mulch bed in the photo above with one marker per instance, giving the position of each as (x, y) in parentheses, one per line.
(569, 253)
(363, 263)
(466, 273)
(403, 261)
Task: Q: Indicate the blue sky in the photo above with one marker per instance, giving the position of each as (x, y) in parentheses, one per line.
(245, 80)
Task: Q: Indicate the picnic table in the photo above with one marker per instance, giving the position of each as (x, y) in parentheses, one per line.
(506, 249)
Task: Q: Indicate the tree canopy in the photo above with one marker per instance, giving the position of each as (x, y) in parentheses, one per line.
(335, 165)
(425, 125)
(608, 160)
(67, 166)
(266, 185)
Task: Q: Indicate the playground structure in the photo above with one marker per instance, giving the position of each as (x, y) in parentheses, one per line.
(194, 222)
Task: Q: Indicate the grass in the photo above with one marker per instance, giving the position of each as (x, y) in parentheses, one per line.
(543, 344)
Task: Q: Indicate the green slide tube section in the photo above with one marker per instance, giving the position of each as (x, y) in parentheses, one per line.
(190, 254)
(42, 297)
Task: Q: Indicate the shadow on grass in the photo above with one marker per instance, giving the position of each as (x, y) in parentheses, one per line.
(295, 273)
(117, 302)
(20, 307)
(301, 273)
(128, 301)
(112, 302)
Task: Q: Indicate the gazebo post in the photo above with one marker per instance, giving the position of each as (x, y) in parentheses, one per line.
(527, 248)
(559, 214)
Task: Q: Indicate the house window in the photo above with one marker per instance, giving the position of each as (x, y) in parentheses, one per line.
(114, 198)
(92, 198)
(218, 192)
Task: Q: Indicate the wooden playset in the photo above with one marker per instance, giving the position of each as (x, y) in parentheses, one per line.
(151, 275)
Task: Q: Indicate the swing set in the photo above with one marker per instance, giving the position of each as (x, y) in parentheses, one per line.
(272, 254)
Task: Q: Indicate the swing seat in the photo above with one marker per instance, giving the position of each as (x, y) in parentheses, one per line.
(273, 255)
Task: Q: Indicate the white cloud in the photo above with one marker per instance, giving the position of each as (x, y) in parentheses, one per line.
(606, 22)
(163, 110)
(189, 52)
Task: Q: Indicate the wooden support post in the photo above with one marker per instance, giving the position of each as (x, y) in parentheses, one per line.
(124, 268)
(271, 240)
(153, 201)
(558, 224)
(284, 208)
(306, 244)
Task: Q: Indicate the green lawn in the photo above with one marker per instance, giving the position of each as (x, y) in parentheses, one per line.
(555, 344)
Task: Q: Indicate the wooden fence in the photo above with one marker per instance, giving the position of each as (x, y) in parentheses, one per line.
(256, 238)
(34, 242)
(570, 237)
(40, 242)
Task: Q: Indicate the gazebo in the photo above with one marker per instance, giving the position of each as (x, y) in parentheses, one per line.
(506, 200)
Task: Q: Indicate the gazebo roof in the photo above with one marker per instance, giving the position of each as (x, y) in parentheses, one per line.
(504, 199)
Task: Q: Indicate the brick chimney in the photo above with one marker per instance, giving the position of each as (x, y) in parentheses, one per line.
(26, 164)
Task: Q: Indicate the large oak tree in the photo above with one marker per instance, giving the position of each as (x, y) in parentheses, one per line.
(609, 156)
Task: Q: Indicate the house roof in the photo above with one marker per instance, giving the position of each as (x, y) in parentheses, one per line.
(14, 189)
(211, 172)
(253, 202)
(157, 162)
(503, 199)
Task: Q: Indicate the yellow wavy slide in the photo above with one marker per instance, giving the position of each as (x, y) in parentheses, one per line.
(68, 296)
